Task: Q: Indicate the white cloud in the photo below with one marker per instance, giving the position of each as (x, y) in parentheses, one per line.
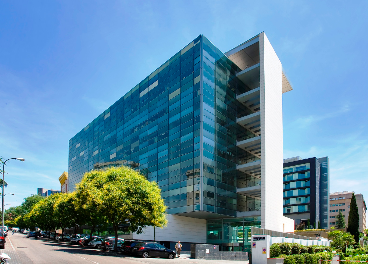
(304, 122)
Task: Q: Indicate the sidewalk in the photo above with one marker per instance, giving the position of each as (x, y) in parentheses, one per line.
(17, 257)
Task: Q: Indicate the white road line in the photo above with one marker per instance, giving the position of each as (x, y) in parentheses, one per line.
(11, 243)
(88, 260)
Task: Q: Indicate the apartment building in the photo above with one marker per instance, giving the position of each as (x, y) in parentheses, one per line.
(340, 202)
(306, 191)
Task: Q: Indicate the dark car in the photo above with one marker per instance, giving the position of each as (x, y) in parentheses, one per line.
(152, 249)
(2, 242)
(127, 246)
(31, 234)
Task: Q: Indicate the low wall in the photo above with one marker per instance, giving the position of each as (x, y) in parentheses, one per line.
(212, 252)
(275, 261)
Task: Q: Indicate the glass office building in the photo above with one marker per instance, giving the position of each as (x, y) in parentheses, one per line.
(306, 191)
(194, 126)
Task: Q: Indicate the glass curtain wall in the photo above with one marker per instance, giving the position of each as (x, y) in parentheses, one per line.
(220, 130)
(232, 234)
(155, 126)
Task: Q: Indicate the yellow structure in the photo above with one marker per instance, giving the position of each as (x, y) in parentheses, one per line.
(63, 179)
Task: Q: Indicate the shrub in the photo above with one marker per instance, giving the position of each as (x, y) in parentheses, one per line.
(357, 251)
(325, 256)
(275, 250)
(310, 258)
(285, 248)
(299, 259)
(317, 249)
(303, 249)
(310, 249)
(289, 260)
(363, 257)
(295, 249)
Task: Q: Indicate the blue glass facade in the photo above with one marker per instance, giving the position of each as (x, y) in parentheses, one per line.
(194, 127)
(306, 191)
(178, 127)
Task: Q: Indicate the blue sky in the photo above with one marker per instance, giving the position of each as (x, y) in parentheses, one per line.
(63, 62)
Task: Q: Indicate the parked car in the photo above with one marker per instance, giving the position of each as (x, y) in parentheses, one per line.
(85, 240)
(64, 237)
(74, 239)
(127, 246)
(31, 234)
(5, 230)
(96, 243)
(109, 243)
(2, 242)
(152, 249)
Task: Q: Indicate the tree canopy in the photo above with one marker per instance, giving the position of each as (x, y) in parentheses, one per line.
(340, 221)
(14, 215)
(5, 183)
(353, 220)
(341, 240)
(42, 214)
(122, 196)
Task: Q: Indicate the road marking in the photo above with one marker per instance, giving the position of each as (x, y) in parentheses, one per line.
(88, 260)
(11, 243)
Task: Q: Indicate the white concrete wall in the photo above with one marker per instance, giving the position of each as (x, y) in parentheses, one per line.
(322, 242)
(288, 225)
(260, 249)
(271, 136)
(185, 229)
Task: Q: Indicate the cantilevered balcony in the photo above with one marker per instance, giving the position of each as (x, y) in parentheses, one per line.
(250, 99)
(252, 191)
(250, 76)
(251, 122)
(251, 167)
(251, 145)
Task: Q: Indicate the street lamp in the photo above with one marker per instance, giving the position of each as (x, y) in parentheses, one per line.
(2, 193)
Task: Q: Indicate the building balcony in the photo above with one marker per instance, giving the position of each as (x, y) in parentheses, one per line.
(251, 122)
(250, 76)
(251, 145)
(252, 191)
(250, 99)
(251, 167)
(252, 213)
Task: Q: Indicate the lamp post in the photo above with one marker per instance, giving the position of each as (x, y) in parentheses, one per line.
(2, 193)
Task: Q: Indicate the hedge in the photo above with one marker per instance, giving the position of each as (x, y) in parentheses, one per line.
(294, 253)
(277, 249)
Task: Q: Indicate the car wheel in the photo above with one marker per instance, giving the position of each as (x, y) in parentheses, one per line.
(145, 254)
(171, 256)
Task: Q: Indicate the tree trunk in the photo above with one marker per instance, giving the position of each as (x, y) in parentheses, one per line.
(116, 237)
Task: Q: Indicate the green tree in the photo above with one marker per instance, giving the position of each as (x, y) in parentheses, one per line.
(340, 221)
(341, 240)
(353, 220)
(42, 214)
(122, 196)
(1, 183)
(65, 212)
(30, 201)
(13, 215)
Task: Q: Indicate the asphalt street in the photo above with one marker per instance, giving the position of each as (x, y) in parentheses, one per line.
(30, 250)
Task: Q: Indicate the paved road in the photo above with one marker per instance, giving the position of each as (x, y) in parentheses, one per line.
(23, 250)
